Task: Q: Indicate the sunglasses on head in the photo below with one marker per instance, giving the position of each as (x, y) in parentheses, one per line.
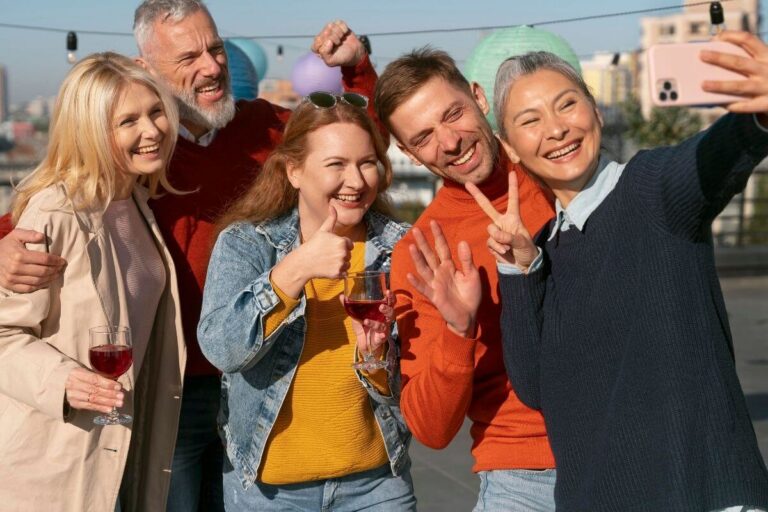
(322, 99)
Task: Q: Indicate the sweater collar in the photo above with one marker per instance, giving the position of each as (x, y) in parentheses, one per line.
(92, 219)
(600, 185)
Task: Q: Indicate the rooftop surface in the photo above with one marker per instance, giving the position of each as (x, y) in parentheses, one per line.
(444, 480)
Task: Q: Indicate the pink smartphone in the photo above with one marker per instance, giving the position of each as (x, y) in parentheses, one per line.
(676, 74)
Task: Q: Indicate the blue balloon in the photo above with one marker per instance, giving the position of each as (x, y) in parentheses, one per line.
(245, 82)
(255, 54)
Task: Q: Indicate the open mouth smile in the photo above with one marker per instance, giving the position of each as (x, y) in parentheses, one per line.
(564, 151)
(348, 198)
(208, 90)
(145, 150)
(465, 157)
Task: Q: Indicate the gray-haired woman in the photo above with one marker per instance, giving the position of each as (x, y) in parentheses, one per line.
(613, 321)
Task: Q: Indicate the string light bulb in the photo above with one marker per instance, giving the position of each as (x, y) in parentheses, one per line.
(366, 41)
(71, 47)
(716, 18)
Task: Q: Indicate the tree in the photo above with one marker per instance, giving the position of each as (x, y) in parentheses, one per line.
(665, 127)
(757, 230)
(408, 211)
(5, 144)
(40, 124)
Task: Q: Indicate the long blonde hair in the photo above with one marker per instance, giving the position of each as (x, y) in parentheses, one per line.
(82, 154)
(272, 195)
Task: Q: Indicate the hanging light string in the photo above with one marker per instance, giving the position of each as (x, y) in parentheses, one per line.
(55, 29)
(398, 32)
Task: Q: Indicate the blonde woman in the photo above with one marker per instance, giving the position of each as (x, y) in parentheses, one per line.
(112, 129)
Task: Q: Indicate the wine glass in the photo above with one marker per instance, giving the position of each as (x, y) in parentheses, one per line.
(364, 292)
(111, 354)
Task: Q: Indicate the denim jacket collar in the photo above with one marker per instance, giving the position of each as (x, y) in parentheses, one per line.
(283, 232)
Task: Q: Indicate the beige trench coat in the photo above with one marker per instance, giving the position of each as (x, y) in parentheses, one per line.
(52, 462)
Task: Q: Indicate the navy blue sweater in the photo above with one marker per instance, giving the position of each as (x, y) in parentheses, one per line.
(622, 339)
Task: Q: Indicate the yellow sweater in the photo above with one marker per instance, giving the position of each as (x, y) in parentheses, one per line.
(326, 427)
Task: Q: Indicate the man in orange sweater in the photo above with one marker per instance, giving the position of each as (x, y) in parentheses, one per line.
(451, 362)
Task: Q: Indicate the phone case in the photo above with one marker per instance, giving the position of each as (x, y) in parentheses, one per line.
(676, 73)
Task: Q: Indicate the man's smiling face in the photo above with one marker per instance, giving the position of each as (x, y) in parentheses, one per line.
(444, 128)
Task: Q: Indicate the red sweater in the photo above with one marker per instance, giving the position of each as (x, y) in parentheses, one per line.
(447, 377)
(218, 174)
(5, 225)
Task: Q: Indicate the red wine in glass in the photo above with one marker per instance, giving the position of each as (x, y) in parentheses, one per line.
(365, 309)
(111, 354)
(111, 360)
(364, 293)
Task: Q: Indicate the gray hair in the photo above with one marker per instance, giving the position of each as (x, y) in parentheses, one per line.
(519, 66)
(151, 10)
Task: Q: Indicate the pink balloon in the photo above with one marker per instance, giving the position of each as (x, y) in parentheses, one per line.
(311, 74)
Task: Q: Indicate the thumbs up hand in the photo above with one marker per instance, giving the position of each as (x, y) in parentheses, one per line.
(324, 254)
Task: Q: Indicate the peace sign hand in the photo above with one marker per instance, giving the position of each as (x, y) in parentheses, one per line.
(509, 241)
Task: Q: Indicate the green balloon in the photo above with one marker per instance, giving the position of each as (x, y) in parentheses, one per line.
(487, 56)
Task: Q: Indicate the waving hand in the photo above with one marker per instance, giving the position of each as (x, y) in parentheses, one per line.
(455, 292)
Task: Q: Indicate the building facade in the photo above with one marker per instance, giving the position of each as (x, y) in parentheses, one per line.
(692, 24)
(3, 94)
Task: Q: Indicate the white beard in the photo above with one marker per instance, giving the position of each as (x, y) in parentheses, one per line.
(218, 116)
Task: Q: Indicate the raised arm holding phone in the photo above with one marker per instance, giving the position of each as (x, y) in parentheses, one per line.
(613, 321)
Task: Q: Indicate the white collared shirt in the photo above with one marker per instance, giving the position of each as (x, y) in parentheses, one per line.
(204, 140)
(600, 185)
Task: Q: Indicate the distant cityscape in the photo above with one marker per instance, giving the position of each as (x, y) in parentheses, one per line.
(614, 78)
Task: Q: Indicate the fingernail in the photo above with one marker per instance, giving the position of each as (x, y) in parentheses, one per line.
(120, 396)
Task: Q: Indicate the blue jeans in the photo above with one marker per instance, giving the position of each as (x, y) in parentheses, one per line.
(375, 490)
(196, 480)
(516, 490)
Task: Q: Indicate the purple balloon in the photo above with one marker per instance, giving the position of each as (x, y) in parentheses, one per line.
(311, 74)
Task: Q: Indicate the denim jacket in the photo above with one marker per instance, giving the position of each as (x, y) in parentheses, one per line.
(258, 372)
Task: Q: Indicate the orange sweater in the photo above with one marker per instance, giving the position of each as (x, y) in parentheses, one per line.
(447, 377)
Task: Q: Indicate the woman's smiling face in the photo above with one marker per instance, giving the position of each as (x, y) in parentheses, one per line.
(341, 170)
(554, 130)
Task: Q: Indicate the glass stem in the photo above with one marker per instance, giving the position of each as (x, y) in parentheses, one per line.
(368, 354)
(113, 414)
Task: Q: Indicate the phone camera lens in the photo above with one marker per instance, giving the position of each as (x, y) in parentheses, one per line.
(673, 96)
(663, 96)
(667, 85)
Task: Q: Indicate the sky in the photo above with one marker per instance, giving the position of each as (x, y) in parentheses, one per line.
(36, 61)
